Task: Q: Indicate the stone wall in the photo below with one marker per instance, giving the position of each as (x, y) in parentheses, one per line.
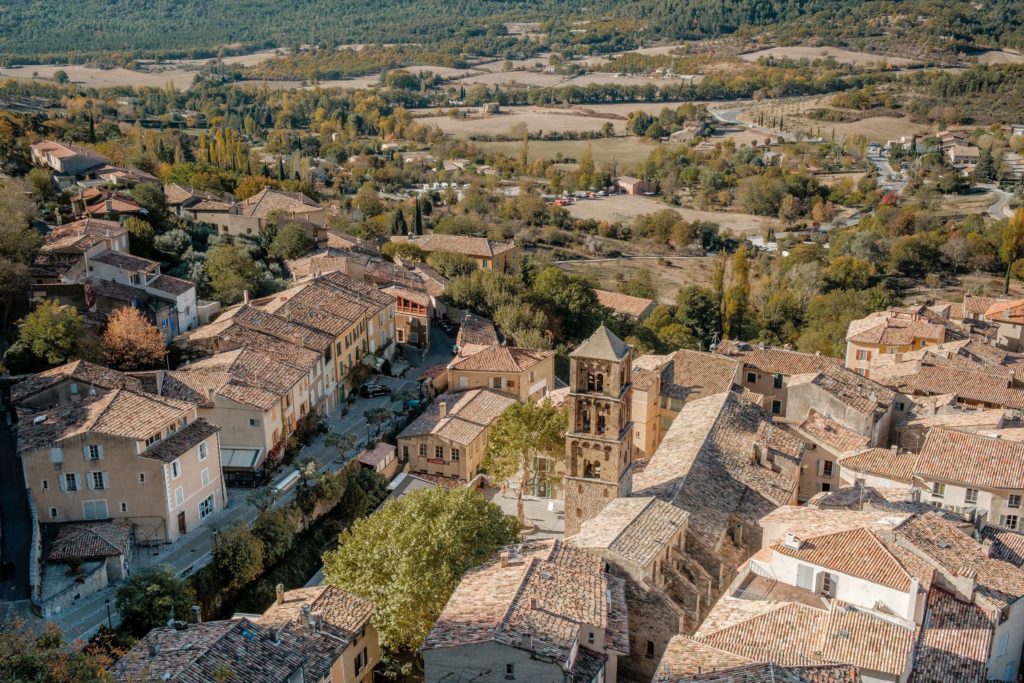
(654, 619)
(584, 498)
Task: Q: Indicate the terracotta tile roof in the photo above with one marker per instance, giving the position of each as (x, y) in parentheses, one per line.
(863, 395)
(545, 590)
(857, 552)
(892, 328)
(114, 203)
(476, 331)
(172, 285)
(883, 462)
(87, 227)
(268, 200)
(643, 379)
(279, 326)
(955, 554)
(257, 379)
(124, 261)
(477, 247)
(808, 522)
(1007, 545)
(116, 291)
(196, 653)
(329, 304)
(602, 345)
(972, 386)
(774, 360)
(623, 304)
(636, 529)
(53, 264)
(1006, 312)
(469, 413)
(90, 541)
(377, 455)
(792, 634)
(181, 194)
(411, 294)
(770, 673)
(954, 643)
(693, 375)
(65, 150)
(120, 412)
(291, 354)
(964, 420)
(705, 466)
(972, 459)
(79, 371)
(826, 431)
(501, 359)
(685, 658)
(345, 612)
(186, 438)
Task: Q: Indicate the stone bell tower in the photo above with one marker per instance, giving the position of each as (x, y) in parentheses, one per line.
(599, 443)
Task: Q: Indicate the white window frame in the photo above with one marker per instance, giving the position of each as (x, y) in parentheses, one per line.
(212, 506)
(175, 469)
(204, 476)
(971, 496)
(202, 451)
(179, 496)
(938, 489)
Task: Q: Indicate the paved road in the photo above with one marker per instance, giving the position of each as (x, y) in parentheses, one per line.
(731, 116)
(1001, 208)
(885, 170)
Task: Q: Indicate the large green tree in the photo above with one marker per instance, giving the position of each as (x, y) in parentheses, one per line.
(238, 554)
(151, 596)
(232, 272)
(408, 557)
(290, 242)
(51, 332)
(528, 440)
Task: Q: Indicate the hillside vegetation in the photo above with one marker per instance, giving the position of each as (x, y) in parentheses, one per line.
(45, 29)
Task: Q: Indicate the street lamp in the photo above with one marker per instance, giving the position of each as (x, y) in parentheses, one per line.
(110, 623)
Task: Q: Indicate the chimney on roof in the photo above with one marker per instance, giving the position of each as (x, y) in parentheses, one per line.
(245, 296)
(987, 547)
(154, 649)
(442, 408)
(307, 616)
(274, 635)
(533, 602)
(279, 591)
(894, 450)
(527, 642)
(197, 615)
(791, 541)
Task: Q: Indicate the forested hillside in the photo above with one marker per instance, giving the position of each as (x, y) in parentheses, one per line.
(41, 28)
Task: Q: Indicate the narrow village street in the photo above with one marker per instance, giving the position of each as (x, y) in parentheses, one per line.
(195, 550)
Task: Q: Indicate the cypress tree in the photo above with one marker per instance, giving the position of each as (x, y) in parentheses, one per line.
(417, 220)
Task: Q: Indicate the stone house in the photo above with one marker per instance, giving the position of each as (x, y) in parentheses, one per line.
(527, 374)
(543, 612)
(449, 439)
(309, 635)
(122, 454)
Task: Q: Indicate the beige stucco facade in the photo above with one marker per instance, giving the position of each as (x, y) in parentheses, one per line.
(532, 384)
(162, 499)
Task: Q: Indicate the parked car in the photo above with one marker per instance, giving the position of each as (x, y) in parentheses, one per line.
(370, 390)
